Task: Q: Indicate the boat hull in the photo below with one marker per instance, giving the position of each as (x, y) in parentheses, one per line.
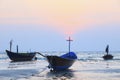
(108, 57)
(20, 56)
(58, 63)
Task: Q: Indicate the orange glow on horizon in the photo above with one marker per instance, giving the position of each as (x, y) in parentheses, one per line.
(66, 16)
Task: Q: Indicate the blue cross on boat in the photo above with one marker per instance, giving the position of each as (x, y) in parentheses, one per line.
(62, 62)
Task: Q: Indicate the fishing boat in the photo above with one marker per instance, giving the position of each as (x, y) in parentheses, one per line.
(107, 56)
(16, 56)
(63, 62)
(21, 56)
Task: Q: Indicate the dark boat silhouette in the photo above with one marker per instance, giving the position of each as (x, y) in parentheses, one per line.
(63, 62)
(21, 56)
(107, 56)
(16, 56)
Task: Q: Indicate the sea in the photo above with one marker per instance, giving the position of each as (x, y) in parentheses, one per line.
(90, 65)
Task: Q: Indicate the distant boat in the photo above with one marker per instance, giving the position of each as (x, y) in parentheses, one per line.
(58, 63)
(15, 56)
(107, 56)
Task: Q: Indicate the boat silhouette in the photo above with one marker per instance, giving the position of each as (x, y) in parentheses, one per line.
(16, 56)
(107, 56)
(62, 62)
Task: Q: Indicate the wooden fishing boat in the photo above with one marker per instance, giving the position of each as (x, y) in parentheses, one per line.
(21, 56)
(63, 62)
(16, 56)
(107, 56)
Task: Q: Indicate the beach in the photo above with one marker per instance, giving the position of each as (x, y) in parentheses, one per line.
(85, 71)
(79, 37)
(90, 67)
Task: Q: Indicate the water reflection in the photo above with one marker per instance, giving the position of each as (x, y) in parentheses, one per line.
(66, 74)
(107, 65)
(24, 64)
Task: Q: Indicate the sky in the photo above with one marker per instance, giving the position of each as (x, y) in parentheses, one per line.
(44, 25)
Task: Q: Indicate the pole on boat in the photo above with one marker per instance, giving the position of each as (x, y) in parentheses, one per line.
(11, 45)
(17, 48)
(107, 49)
(69, 40)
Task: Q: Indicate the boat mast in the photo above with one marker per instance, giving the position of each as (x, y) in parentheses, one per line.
(11, 45)
(17, 48)
(107, 49)
(69, 40)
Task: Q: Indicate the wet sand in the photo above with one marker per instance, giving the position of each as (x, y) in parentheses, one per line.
(81, 70)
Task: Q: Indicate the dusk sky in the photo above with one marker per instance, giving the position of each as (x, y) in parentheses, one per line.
(44, 25)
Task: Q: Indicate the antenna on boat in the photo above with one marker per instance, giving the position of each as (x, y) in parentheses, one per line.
(11, 45)
(69, 40)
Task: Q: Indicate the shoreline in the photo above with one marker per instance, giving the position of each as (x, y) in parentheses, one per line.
(81, 70)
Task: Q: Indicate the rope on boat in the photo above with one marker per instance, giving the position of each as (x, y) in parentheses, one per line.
(41, 54)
